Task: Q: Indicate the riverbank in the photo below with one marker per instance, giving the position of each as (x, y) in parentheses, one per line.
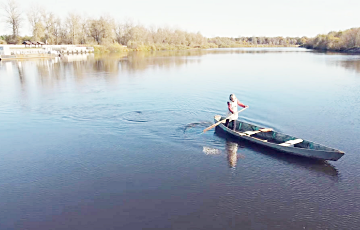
(51, 51)
(347, 41)
(117, 48)
(354, 50)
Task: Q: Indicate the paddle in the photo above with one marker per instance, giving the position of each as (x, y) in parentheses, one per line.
(218, 123)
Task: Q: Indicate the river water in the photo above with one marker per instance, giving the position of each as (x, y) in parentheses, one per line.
(114, 141)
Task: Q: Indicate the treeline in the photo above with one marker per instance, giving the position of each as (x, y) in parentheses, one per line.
(106, 34)
(77, 29)
(224, 42)
(104, 30)
(347, 40)
(113, 36)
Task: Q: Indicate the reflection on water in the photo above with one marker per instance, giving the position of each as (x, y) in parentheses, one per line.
(352, 64)
(111, 132)
(202, 124)
(231, 150)
(133, 61)
(347, 61)
(76, 57)
(211, 151)
(137, 61)
(82, 65)
(20, 72)
(321, 167)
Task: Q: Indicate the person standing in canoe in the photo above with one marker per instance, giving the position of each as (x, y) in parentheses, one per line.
(233, 110)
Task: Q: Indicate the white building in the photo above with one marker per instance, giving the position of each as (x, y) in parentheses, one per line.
(4, 50)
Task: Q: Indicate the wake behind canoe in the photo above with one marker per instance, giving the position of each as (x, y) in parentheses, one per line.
(279, 141)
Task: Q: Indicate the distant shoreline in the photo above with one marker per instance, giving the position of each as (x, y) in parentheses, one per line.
(101, 49)
(347, 41)
(112, 48)
(118, 49)
(354, 50)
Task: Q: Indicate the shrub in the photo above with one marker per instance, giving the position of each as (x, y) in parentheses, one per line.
(100, 49)
(115, 48)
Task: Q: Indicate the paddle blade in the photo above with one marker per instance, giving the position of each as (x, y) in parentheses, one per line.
(214, 125)
(210, 127)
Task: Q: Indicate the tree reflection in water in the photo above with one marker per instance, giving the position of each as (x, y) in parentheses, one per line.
(351, 64)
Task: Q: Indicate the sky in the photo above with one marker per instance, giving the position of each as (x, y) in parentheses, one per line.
(230, 18)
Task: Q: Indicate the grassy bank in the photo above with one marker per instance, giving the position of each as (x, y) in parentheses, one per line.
(117, 48)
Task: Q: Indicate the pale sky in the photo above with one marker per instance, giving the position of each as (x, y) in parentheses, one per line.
(231, 18)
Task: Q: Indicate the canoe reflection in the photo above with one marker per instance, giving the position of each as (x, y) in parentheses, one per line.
(316, 166)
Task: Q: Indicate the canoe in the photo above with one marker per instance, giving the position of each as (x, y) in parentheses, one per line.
(279, 141)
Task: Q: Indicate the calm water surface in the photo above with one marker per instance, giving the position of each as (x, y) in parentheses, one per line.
(114, 142)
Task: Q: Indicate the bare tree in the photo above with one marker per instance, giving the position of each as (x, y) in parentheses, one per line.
(13, 16)
(84, 30)
(39, 31)
(96, 30)
(351, 37)
(57, 31)
(34, 17)
(102, 29)
(123, 31)
(73, 24)
(49, 24)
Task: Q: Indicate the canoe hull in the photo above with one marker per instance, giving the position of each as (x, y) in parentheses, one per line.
(310, 153)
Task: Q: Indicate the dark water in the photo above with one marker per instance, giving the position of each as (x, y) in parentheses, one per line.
(114, 142)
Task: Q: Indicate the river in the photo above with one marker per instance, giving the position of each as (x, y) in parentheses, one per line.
(114, 141)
